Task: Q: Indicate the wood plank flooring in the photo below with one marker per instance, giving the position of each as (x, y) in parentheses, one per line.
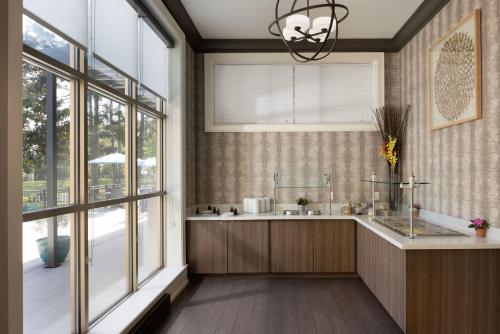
(274, 305)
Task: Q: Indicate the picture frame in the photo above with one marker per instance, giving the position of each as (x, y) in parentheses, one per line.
(455, 74)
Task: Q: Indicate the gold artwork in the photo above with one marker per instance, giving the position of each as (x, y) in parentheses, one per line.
(455, 75)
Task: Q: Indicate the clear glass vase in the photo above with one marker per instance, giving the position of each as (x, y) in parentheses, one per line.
(393, 188)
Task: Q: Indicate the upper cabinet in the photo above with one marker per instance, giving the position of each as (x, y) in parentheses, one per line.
(267, 92)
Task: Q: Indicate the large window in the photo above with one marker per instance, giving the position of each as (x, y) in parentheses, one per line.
(255, 92)
(93, 172)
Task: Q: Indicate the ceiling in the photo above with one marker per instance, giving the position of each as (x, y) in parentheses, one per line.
(249, 19)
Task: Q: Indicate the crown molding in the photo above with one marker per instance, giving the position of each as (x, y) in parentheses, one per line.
(277, 45)
(181, 16)
(146, 14)
(422, 15)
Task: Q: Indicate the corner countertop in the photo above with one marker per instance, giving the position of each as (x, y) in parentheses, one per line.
(402, 242)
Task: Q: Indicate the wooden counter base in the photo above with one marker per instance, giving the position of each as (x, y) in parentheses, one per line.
(433, 291)
(444, 291)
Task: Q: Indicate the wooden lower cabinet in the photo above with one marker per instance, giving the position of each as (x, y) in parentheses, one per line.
(207, 246)
(334, 246)
(248, 246)
(445, 291)
(277, 246)
(382, 266)
(453, 291)
(292, 247)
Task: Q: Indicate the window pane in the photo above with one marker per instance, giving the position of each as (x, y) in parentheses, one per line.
(149, 236)
(42, 39)
(46, 139)
(155, 60)
(148, 98)
(116, 43)
(333, 93)
(103, 73)
(46, 290)
(107, 251)
(264, 96)
(148, 176)
(69, 17)
(106, 148)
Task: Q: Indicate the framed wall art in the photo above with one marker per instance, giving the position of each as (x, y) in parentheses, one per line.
(455, 74)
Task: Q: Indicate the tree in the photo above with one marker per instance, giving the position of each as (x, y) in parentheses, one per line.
(35, 122)
(34, 104)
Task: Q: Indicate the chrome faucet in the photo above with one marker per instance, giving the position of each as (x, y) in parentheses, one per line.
(410, 185)
(374, 179)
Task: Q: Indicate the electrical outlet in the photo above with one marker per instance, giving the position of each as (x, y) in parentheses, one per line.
(377, 195)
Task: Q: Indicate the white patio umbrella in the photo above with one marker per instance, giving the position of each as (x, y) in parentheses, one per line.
(148, 162)
(113, 158)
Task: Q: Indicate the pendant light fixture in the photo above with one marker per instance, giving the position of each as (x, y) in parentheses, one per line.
(298, 27)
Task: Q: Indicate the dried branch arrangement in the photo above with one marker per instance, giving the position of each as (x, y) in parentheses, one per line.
(391, 122)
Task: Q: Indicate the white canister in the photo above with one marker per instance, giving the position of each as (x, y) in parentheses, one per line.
(260, 205)
(254, 208)
(267, 202)
(245, 205)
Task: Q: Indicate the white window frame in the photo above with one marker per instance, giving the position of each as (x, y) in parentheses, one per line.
(212, 59)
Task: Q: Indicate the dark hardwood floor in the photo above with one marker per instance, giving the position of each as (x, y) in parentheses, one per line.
(272, 305)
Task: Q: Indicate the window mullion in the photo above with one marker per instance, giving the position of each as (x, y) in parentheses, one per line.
(132, 138)
(163, 181)
(82, 276)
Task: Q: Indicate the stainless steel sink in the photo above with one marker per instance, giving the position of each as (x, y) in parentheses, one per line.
(421, 228)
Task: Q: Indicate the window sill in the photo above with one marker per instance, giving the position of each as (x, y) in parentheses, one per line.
(367, 126)
(172, 280)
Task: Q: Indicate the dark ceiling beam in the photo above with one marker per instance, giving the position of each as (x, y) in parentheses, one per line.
(181, 16)
(422, 15)
(152, 21)
(277, 45)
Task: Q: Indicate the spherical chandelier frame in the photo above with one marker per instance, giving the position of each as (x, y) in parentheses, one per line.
(297, 56)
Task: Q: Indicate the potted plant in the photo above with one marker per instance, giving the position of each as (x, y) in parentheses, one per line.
(302, 203)
(415, 210)
(480, 225)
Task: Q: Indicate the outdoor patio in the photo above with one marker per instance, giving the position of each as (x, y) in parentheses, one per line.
(47, 291)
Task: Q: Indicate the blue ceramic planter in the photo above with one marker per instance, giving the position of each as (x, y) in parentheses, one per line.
(62, 249)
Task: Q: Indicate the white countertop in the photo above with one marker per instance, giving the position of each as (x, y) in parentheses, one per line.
(402, 242)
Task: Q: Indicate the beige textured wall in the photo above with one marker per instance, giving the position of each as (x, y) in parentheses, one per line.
(231, 166)
(461, 162)
(190, 133)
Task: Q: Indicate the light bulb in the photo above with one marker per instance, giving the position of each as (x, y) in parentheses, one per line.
(323, 23)
(298, 21)
(291, 35)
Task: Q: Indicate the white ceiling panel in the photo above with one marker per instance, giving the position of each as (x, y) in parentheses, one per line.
(241, 19)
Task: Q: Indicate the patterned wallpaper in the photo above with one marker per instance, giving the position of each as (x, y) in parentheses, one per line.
(190, 133)
(461, 162)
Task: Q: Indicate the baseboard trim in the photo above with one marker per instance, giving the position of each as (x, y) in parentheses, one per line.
(179, 290)
(276, 275)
